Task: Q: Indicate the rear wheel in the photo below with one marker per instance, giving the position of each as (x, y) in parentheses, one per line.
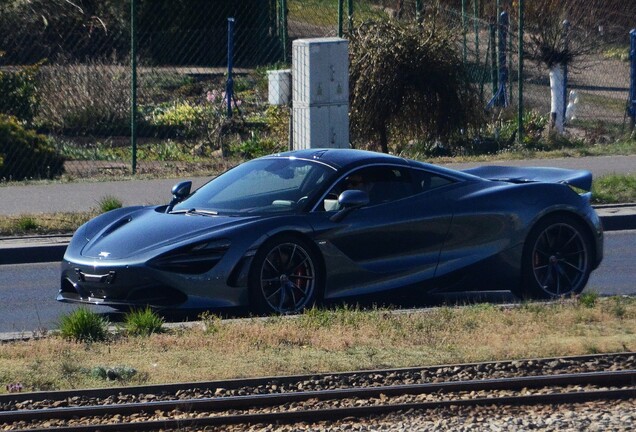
(285, 277)
(556, 259)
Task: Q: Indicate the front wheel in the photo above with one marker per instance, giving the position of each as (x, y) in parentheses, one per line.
(285, 277)
(556, 259)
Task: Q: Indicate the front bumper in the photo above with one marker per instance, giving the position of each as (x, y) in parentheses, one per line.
(125, 285)
(116, 286)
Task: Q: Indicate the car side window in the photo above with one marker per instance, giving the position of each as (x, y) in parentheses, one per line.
(389, 184)
(424, 181)
(383, 184)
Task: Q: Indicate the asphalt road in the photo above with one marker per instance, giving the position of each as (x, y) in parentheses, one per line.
(83, 196)
(27, 291)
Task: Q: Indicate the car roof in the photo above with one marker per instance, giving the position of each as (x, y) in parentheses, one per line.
(345, 159)
(339, 158)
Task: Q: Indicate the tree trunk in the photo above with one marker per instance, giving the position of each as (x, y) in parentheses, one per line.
(384, 139)
(557, 105)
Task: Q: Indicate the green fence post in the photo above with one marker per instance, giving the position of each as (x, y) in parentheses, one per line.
(520, 75)
(340, 17)
(133, 84)
(498, 7)
(476, 26)
(283, 27)
(418, 11)
(229, 86)
(350, 15)
(492, 43)
(464, 32)
(510, 48)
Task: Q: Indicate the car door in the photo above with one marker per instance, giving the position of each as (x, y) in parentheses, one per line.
(394, 241)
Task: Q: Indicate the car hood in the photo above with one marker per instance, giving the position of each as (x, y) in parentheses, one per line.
(143, 230)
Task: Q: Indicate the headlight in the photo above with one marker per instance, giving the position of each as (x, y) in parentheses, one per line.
(193, 259)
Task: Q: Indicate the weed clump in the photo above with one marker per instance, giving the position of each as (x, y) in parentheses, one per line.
(26, 223)
(589, 299)
(109, 203)
(117, 373)
(83, 325)
(143, 322)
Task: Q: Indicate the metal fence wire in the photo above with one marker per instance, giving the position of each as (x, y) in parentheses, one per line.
(73, 71)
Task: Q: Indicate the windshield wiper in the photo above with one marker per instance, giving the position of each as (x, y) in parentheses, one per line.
(195, 211)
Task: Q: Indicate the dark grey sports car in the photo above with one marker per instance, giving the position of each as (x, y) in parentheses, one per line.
(285, 231)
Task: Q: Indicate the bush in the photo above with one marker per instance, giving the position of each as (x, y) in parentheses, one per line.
(25, 154)
(82, 325)
(255, 146)
(143, 322)
(184, 119)
(19, 93)
(409, 79)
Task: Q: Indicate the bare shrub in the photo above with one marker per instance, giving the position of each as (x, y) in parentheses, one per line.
(409, 78)
(83, 98)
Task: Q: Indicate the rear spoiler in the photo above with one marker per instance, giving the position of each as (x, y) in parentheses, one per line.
(579, 179)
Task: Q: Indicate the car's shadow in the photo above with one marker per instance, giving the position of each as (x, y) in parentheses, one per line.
(394, 303)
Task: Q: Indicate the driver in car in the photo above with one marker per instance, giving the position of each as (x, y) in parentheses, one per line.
(357, 181)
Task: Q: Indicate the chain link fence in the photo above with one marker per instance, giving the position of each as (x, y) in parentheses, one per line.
(70, 71)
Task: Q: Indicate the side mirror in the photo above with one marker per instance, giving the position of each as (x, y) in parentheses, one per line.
(353, 199)
(350, 200)
(179, 192)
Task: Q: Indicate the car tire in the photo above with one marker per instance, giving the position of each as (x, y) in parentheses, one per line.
(285, 276)
(557, 259)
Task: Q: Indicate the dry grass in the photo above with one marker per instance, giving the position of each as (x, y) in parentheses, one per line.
(50, 223)
(328, 341)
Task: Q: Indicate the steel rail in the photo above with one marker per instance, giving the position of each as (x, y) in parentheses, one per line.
(333, 414)
(620, 378)
(262, 381)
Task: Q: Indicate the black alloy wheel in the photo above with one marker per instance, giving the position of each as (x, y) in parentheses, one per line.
(557, 259)
(285, 277)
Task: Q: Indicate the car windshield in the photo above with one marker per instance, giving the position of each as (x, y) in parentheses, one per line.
(260, 186)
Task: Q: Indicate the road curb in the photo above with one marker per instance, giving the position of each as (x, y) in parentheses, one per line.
(33, 249)
(40, 249)
(617, 217)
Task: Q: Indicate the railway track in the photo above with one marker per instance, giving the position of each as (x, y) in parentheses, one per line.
(286, 400)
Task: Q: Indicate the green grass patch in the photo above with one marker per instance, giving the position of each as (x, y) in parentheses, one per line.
(615, 188)
(83, 325)
(596, 101)
(325, 12)
(143, 322)
(160, 150)
(26, 223)
(617, 53)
